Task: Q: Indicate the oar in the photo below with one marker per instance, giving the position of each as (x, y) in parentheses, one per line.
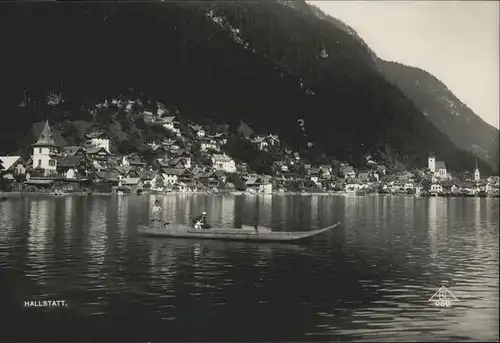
(257, 214)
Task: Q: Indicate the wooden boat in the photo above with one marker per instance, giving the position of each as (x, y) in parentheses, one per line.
(246, 233)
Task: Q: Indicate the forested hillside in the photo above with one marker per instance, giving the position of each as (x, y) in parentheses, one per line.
(266, 63)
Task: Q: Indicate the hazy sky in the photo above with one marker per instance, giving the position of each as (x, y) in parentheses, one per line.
(456, 41)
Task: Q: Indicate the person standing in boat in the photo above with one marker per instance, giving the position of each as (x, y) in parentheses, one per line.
(156, 214)
(201, 221)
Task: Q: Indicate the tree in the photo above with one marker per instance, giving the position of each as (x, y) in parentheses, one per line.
(126, 147)
(104, 117)
(301, 170)
(124, 121)
(140, 123)
(72, 134)
(426, 184)
(237, 181)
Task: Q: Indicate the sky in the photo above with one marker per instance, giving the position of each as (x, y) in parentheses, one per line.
(456, 41)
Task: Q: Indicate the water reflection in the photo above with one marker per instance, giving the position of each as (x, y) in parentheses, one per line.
(68, 211)
(122, 218)
(41, 223)
(97, 230)
(370, 280)
(9, 218)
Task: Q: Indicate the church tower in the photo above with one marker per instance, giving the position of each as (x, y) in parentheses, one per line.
(45, 151)
(477, 175)
(431, 162)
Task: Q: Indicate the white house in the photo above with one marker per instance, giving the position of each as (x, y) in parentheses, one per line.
(171, 124)
(326, 171)
(223, 162)
(148, 116)
(97, 140)
(170, 176)
(209, 144)
(348, 172)
(46, 151)
(436, 188)
(408, 185)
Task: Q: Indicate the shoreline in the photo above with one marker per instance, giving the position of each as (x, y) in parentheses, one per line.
(232, 193)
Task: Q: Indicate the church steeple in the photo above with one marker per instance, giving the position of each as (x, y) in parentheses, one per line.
(477, 174)
(46, 137)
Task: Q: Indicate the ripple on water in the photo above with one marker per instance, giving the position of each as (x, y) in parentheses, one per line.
(370, 280)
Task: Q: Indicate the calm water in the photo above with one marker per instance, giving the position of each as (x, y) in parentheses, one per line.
(368, 280)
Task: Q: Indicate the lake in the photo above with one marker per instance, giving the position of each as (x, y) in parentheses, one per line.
(368, 280)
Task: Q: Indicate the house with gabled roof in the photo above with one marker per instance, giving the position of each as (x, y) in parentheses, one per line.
(72, 150)
(98, 153)
(221, 138)
(133, 160)
(207, 144)
(315, 174)
(171, 175)
(182, 153)
(97, 139)
(326, 171)
(149, 178)
(160, 150)
(127, 171)
(197, 130)
(273, 140)
(347, 172)
(148, 116)
(46, 151)
(12, 166)
(171, 123)
(185, 176)
(134, 184)
(75, 167)
(253, 183)
(180, 163)
(261, 143)
(223, 162)
(110, 177)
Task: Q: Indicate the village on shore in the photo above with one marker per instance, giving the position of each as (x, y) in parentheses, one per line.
(95, 167)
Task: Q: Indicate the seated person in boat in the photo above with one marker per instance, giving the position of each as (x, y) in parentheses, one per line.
(201, 221)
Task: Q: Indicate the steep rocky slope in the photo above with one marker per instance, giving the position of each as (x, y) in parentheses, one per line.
(452, 117)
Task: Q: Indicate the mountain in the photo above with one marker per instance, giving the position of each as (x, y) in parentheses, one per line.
(443, 109)
(272, 65)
